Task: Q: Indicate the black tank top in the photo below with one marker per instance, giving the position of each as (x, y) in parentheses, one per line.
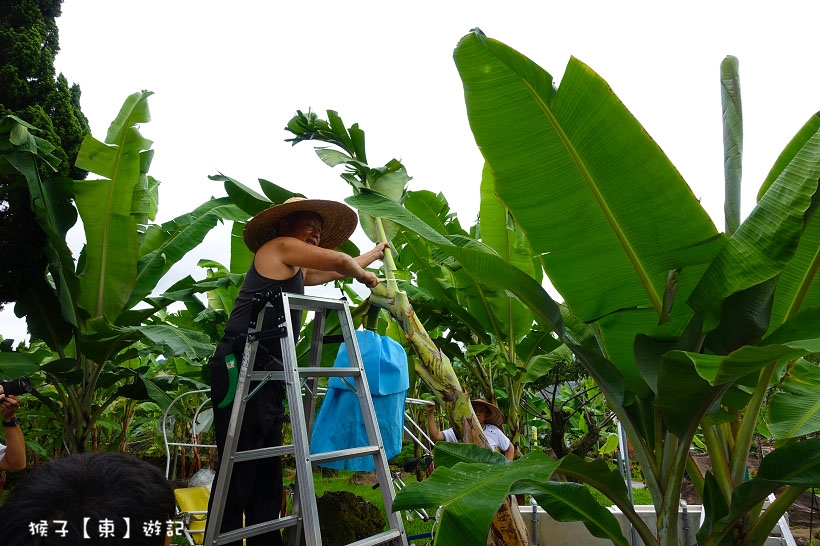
(256, 283)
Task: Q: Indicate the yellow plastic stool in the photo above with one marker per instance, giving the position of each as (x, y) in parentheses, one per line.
(193, 503)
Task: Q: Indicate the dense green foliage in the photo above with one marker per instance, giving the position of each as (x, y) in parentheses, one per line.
(485, 332)
(684, 329)
(694, 329)
(32, 92)
(102, 333)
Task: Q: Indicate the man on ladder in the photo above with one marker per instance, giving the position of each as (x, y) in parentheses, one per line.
(292, 243)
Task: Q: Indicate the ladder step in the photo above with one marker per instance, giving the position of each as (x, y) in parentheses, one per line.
(338, 455)
(259, 376)
(263, 453)
(314, 303)
(343, 371)
(308, 372)
(381, 538)
(257, 529)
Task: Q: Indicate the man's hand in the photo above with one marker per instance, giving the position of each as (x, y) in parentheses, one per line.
(15, 457)
(368, 279)
(378, 250)
(432, 428)
(376, 253)
(10, 405)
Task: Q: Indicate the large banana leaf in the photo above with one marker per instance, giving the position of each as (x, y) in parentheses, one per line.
(593, 192)
(500, 232)
(49, 318)
(390, 180)
(252, 203)
(19, 146)
(165, 245)
(767, 240)
(495, 273)
(15, 364)
(436, 287)
(684, 396)
(796, 288)
(176, 341)
(690, 385)
(797, 465)
(794, 409)
(480, 309)
(470, 483)
(249, 200)
(108, 209)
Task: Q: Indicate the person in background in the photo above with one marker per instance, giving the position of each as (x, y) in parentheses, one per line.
(13, 453)
(90, 499)
(491, 419)
(293, 247)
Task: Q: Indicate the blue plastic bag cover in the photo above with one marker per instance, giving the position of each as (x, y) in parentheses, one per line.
(339, 424)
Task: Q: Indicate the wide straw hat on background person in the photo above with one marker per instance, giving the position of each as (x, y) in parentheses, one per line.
(494, 415)
(338, 221)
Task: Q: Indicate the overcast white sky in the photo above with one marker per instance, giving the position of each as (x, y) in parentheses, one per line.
(229, 75)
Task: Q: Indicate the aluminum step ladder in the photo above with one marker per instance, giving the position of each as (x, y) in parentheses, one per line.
(304, 519)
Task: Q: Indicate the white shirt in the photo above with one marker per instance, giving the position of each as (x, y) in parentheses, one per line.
(498, 441)
(2, 451)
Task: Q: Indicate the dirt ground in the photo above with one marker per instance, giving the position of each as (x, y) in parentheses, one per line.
(801, 536)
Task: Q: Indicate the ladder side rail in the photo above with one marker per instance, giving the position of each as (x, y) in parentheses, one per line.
(296, 510)
(368, 410)
(312, 383)
(304, 474)
(220, 493)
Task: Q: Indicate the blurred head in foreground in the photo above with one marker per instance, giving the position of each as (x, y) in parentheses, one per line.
(90, 499)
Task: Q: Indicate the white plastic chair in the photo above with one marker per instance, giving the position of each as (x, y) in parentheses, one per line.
(192, 502)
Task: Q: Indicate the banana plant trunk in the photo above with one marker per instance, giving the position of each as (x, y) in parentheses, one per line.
(435, 369)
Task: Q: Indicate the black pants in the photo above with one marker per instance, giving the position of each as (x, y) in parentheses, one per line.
(256, 486)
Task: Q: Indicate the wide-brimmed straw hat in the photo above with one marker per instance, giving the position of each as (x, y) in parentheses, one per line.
(338, 221)
(494, 415)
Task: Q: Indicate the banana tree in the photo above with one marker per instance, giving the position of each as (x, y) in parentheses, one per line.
(433, 365)
(97, 314)
(697, 326)
(482, 328)
(486, 330)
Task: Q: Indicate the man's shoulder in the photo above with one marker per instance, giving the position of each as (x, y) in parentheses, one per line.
(492, 430)
(276, 244)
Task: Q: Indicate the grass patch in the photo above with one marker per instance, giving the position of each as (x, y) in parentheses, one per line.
(640, 496)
